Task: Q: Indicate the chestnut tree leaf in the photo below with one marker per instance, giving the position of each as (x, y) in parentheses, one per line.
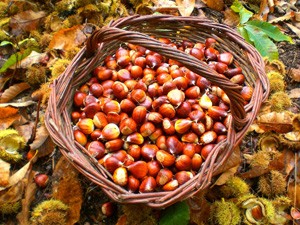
(244, 13)
(262, 42)
(179, 213)
(14, 58)
(272, 31)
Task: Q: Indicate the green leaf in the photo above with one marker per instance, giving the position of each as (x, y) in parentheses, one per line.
(177, 214)
(13, 59)
(3, 43)
(244, 13)
(262, 42)
(272, 31)
(244, 34)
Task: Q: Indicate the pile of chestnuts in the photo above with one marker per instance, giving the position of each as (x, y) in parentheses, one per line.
(149, 120)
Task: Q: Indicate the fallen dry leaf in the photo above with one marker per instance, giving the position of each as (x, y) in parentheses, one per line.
(185, 7)
(67, 39)
(295, 74)
(226, 175)
(122, 220)
(215, 4)
(41, 136)
(7, 122)
(295, 29)
(46, 148)
(231, 18)
(8, 111)
(199, 208)
(294, 93)
(25, 130)
(273, 121)
(26, 21)
(264, 10)
(18, 104)
(13, 91)
(30, 190)
(287, 16)
(293, 191)
(17, 176)
(33, 58)
(4, 173)
(66, 188)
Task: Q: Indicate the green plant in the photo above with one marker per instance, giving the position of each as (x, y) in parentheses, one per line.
(261, 34)
(178, 213)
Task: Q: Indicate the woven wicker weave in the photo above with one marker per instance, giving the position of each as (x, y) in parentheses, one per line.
(136, 30)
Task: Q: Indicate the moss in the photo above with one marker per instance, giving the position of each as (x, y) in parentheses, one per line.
(59, 67)
(72, 21)
(234, 187)
(139, 214)
(49, 212)
(65, 6)
(272, 184)
(70, 54)
(280, 101)
(35, 75)
(10, 207)
(10, 145)
(225, 213)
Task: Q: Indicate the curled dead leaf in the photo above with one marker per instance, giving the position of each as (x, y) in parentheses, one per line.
(294, 93)
(231, 18)
(41, 136)
(295, 74)
(215, 4)
(4, 173)
(278, 122)
(67, 39)
(185, 7)
(13, 91)
(26, 21)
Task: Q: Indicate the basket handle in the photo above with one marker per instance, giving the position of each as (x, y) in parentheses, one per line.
(199, 67)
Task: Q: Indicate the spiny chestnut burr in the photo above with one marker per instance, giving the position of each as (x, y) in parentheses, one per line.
(120, 176)
(41, 180)
(163, 176)
(148, 184)
(138, 169)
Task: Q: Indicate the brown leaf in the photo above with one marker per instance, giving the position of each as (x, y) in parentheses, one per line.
(25, 130)
(4, 173)
(215, 4)
(33, 58)
(7, 122)
(226, 175)
(278, 122)
(67, 188)
(41, 136)
(294, 93)
(13, 91)
(233, 160)
(7, 111)
(26, 21)
(264, 10)
(287, 16)
(46, 148)
(185, 7)
(231, 18)
(122, 220)
(30, 190)
(67, 39)
(199, 208)
(295, 74)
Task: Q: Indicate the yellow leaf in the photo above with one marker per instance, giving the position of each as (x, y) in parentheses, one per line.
(185, 7)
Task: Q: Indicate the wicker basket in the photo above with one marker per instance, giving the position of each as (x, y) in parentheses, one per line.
(135, 30)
